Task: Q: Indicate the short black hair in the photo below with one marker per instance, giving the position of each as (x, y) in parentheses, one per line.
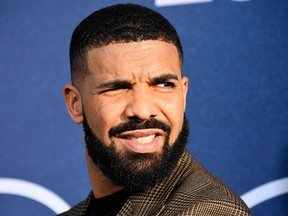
(121, 23)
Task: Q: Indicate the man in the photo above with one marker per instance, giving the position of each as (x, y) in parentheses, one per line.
(129, 93)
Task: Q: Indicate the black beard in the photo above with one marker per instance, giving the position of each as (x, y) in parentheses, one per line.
(137, 172)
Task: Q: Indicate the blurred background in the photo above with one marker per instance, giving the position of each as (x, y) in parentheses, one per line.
(236, 58)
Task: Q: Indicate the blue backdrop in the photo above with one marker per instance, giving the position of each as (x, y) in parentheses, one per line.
(236, 57)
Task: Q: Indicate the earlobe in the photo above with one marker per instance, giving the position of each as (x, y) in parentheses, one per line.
(73, 102)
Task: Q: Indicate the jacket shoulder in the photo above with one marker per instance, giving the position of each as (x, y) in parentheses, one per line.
(75, 210)
(200, 193)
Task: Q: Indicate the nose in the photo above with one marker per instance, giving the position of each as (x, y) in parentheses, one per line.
(141, 104)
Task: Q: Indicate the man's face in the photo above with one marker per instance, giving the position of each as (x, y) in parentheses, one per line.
(137, 82)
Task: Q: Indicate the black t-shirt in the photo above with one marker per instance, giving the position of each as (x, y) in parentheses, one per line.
(107, 206)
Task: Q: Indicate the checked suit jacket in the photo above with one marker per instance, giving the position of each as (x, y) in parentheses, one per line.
(188, 190)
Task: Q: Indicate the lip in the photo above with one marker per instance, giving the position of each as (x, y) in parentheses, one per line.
(155, 145)
(141, 133)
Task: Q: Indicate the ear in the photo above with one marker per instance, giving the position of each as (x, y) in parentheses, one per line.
(185, 82)
(73, 102)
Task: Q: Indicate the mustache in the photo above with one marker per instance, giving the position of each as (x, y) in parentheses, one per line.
(137, 125)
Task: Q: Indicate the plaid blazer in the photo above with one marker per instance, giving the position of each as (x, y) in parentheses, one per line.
(189, 190)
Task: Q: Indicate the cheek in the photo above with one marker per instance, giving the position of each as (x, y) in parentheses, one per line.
(173, 106)
(105, 116)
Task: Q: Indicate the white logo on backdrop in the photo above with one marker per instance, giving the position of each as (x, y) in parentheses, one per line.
(265, 192)
(57, 204)
(33, 191)
(161, 3)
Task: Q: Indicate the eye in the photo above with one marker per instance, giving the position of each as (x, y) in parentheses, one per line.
(166, 85)
(107, 90)
(113, 91)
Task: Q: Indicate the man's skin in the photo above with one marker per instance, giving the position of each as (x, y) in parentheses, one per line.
(124, 81)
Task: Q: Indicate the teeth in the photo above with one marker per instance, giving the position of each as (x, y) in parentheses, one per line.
(145, 139)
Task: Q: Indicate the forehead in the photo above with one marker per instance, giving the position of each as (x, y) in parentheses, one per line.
(134, 58)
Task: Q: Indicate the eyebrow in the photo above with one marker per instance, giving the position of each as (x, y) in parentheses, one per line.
(128, 84)
(164, 78)
(114, 84)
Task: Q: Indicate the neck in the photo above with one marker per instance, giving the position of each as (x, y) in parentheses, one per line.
(101, 185)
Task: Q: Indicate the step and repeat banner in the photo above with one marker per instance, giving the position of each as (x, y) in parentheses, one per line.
(236, 58)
